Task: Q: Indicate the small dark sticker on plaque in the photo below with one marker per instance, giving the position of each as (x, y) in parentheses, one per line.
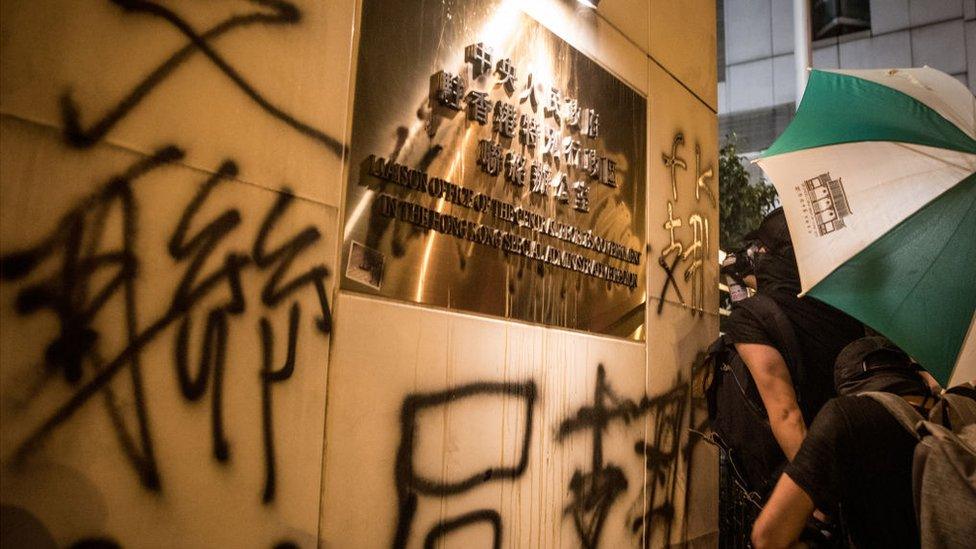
(365, 265)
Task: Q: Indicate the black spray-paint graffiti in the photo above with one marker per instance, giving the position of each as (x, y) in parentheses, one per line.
(281, 13)
(410, 484)
(593, 492)
(695, 250)
(489, 516)
(668, 281)
(71, 294)
(109, 543)
(664, 453)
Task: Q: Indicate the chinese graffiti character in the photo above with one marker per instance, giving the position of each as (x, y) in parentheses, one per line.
(673, 162)
(582, 194)
(553, 104)
(489, 157)
(590, 163)
(608, 172)
(529, 130)
(697, 251)
(571, 151)
(448, 90)
(595, 490)
(91, 279)
(505, 119)
(670, 225)
(278, 261)
(571, 113)
(279, 12)
(478, 107)
(515, 169)
(591, 123)
(479, 56)
(675, 248)
(80, 290)
(539, 177)
(411, 483)
(507, 75)
(700, 183)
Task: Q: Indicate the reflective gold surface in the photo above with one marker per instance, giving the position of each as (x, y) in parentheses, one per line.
(397, 118)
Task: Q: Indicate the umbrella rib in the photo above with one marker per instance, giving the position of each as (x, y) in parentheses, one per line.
(937, 256)
(929, 155)
(972, 119)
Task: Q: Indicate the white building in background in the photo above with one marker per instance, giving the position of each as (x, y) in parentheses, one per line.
(756, 74)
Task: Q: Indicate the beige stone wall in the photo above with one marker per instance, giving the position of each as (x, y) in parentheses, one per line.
(171, 177)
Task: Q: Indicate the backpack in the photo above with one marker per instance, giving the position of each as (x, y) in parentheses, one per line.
(943, 468)
(740, 426)
(956, 408)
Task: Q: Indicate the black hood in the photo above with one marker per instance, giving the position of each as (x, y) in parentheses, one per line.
(874, 363)
(777, 274)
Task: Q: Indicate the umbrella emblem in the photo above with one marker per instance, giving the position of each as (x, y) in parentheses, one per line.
(828, 203)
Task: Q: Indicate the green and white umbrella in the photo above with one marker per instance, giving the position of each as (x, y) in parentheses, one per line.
(877, 175)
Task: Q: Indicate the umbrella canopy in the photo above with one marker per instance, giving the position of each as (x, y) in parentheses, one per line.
(877, 175)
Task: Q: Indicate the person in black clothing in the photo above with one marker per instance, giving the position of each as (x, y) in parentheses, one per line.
(856, 458)
(820, 331)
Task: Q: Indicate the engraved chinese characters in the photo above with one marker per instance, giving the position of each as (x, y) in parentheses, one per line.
(693, 250)
(448, 89)
(513, 184)
(567, 162)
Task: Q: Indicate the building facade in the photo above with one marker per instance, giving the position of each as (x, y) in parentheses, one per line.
(197, 350)
(756, 88)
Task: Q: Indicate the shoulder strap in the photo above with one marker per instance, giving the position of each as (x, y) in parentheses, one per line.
(954, 411)
(716, 357)
(769, 312)
(965, 438)
(965, 390)
(904, 412)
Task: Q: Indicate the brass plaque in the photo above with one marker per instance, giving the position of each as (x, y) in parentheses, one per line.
(494, 169)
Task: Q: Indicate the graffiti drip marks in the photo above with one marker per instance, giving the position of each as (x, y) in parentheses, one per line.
(409, 483)
(269, 376)
(278, 12)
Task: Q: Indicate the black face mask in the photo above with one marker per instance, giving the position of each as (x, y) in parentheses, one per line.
(899, 382)
(885, 368)
(777, 274)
